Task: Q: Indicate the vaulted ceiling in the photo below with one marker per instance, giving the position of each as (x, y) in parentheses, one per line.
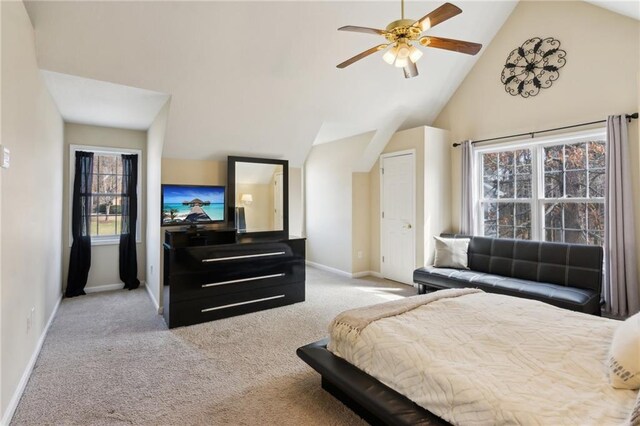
(259, 78)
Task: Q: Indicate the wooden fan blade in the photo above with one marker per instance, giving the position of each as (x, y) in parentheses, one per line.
(362, 30)
(437, 16)
(362, 55)
(456, 45)
(411, 70)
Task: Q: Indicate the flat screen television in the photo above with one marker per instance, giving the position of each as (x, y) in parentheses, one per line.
(192, 204)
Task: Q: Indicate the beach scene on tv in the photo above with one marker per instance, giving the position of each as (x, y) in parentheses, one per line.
(192, 204)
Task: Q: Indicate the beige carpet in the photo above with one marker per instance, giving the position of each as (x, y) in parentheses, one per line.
(108, 359)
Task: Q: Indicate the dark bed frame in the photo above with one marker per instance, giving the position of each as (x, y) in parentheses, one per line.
(372, 400)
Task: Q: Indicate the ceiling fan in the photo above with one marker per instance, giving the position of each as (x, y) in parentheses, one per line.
(401, 33)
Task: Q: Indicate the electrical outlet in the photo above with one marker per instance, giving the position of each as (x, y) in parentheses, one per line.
(360, 255)
(28, 323)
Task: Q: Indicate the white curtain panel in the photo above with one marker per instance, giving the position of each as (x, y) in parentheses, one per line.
(467, 208)
(621, 293)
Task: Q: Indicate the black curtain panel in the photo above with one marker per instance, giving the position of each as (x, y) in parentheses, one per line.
(128, 259)
(80, 258)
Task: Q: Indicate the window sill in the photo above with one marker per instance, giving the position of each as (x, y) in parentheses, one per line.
(105, 242)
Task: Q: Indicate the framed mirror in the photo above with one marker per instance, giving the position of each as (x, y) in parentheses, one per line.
(258, 196)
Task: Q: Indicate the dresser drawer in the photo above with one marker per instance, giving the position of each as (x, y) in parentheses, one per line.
(234, 280)
(219, 259)
(211, 308)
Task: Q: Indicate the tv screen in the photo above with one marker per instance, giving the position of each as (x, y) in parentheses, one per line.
(192, 204)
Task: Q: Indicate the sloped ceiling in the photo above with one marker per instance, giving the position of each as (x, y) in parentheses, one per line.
(630, 8)
(85, 101)
(259, 78)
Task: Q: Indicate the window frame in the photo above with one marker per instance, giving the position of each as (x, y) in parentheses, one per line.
(537, 146)
(102, 240)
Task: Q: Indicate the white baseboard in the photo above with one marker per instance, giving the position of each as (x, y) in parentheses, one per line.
(367, 274)
(106, 287)
(328, 269)
(15, 399)
(343, 273)
(159, 308)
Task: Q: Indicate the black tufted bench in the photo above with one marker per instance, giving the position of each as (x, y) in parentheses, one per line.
(565, 275)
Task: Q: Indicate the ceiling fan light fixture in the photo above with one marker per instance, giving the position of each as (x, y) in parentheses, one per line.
(403, 35)
(401, 62)
(415, 54)
(403, 50)
(390, 55)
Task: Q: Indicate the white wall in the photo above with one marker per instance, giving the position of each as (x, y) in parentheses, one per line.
(31, 206)
(104, 258)
(255, 217)
(601, 77)
(2, 404)
(296, 201)
(361, 237)
(400, 141)
(437, 189)
(432, 190)
(212, 172)
(155, 142)
(328, 199)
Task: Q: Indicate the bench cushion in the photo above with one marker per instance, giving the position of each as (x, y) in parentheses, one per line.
(571, 265)
(576, 299)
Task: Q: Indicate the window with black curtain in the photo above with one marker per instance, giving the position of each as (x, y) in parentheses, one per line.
(80, 256)
(129, 207)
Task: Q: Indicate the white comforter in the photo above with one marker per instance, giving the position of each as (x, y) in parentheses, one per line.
(476, 358)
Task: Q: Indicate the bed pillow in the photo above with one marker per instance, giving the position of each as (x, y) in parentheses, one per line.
(634, 416)
(624, 356)
(451, 253)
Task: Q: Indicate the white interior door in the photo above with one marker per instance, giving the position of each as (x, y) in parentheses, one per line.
(397, 230)
(278, 220)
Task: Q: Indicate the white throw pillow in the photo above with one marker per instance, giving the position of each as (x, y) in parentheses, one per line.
(451, 253)
(624, 356)
(634, 416)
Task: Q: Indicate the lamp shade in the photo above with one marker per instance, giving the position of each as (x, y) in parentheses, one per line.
(415, 54)
(390, 55)
(246, 198)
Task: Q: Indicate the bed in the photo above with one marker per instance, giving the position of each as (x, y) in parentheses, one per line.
(467, 357)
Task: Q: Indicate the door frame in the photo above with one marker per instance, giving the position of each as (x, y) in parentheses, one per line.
(275, 196)
(411, 152)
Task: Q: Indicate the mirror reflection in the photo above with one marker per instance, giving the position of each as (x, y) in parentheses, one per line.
(259, 197)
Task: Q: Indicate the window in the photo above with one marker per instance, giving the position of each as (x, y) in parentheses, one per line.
(548, 189)
(106, 206)
(106, 199)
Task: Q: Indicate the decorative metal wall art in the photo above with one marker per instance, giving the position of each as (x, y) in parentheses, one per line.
(533, 66)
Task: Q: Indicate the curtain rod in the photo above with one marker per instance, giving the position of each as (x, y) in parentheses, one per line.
(532, 134)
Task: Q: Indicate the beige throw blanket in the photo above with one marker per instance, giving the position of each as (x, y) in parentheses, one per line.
(348, 324)
(476, 358)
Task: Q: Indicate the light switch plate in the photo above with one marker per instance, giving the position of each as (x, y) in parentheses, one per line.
(4, 157)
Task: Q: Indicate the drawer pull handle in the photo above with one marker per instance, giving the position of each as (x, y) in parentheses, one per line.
(246, 256)
(242, 280)
(264, 299)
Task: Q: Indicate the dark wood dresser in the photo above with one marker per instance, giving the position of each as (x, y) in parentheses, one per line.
(213, 274)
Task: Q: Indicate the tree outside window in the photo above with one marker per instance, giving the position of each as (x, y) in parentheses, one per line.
(106, 195)
(552, 192)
